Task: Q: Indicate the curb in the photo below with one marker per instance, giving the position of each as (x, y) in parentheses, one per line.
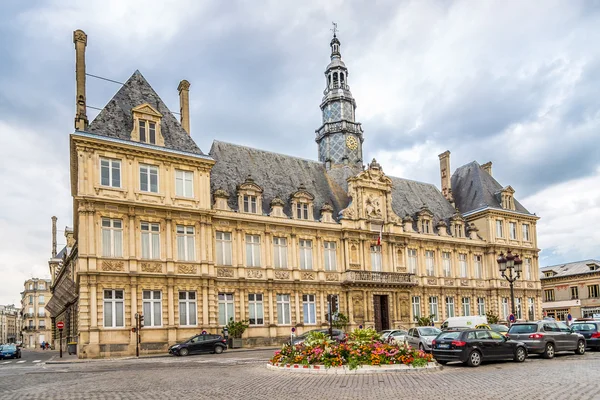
(345, 370)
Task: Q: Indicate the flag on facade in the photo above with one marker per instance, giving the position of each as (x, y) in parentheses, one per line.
(380, 234)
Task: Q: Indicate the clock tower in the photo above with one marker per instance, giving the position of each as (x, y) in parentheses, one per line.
(339, 138)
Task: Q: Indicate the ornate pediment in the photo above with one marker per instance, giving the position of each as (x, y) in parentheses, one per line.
(249, 186)
(146, 109)
(373, 173)
(302, 193)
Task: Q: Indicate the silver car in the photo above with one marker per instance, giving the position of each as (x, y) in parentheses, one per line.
(547, 337)
(422, 336)
(395, 336)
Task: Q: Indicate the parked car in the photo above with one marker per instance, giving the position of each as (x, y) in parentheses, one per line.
(474, 346)
(338, 335)
(464, 322)
(591, 331)
(396, 336)
(547, 337)
(204, 343)
(422, 336)
(9, 351)
(501, 329)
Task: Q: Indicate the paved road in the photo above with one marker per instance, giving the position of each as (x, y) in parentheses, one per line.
(29, 358)
(244, 376)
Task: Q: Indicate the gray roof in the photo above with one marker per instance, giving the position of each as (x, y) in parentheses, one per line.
(573, 268)
(408, 197)
(473, 188)
(116, 120)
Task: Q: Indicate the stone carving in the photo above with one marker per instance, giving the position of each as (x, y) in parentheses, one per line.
(147, 267)
(348, 212)
(109, 265)
(309, 276)
(354, 266)
(373, 207)
(530, 285)
(188, 269)
(254, 273)
(504, 284)
(480, 284)
(449, 282)
(464, 282)
(282, 275)
(332, 277)
(224, 273)
(431, 281)
(518, 284)
(357, 306)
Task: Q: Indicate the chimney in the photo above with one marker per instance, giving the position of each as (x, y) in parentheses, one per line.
(445, 175)
(487, 167)
(184, 104)
(53, 237)
(80, 40)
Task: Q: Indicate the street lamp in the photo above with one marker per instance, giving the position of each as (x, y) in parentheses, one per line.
(330, 313)
(510, 267)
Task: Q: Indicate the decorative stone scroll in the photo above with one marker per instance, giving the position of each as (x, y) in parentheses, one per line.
(332, 277)
(504, 284)
(282, 275)
(464, 282)
(518, 284)
(186, 269)
(431, 281)
(109, 265)
(147, 267)
(308, 276)
(480, 284)
(254, 273)
(224, 273)
(530, 285)
(449, 282)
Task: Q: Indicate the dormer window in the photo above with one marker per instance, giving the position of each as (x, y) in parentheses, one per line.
(459, 230)
(425, 226)
(146, 125)
(302, 204)
(147, 132)
(425, 218)
(507, 200)
(301, 211)
(549, 274)
(250, 196)
(250, 204)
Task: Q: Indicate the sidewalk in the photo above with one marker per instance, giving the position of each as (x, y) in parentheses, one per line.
(72, 359)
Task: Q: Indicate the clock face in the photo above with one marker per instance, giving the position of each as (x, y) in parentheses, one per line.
(351, 143)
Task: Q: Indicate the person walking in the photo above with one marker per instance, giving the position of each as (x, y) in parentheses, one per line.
(43, 345)
(47, 345)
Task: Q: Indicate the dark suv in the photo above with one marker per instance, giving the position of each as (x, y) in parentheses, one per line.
(547, 337)
(590, 330)
(205, 343)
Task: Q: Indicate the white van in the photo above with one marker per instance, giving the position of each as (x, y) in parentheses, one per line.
(464, 322)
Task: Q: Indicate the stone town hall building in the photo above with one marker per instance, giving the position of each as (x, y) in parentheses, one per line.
(191, 239)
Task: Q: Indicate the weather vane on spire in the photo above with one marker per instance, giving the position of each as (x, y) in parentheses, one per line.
(334, 29)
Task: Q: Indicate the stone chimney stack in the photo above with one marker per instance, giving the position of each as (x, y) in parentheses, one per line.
(184, 104)
(487, 167)
(53, 237)
(80, 40)
(445, 175)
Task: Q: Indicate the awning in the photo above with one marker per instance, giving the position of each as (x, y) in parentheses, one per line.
(561, 304)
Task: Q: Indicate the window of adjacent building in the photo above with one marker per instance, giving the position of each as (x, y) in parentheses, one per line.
(41, 299)
(31, 286)
(429, 261)
(185, 243)
(499, 228)
(512, 227)
(309, 308)
(31, 324)
(284, 312)
(41, 313)
(279, 252)
(147, 132)
(225, 308)
(446, 263)
(301, 211)
(412, 261)
(531, 308)
(152, 303)
(574, 292)
(478, 266)
(462, 265)
(505, 308)
(549, 294)
(114, 309)
(525, 228)
(518, 308)
(150, 240)
(184, 183)
(42, 324)
(112, 237)
(255, 309)
(416, 307)
(110, 172)
(549, 274)
(376, 258)
(253, 250)
(450, 307)
(593, 291)
(30, 310)
(223, 247)
(480, 306)
(41, 286)
(433, 308)
(30, 299)
(249, 204)
(305, 254)
(330, 256)
(466, 306)
(149, 178)
(187, 309)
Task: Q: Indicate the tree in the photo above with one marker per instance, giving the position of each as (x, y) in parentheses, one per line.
(492, 318)
(425, 321)
(236, 329)
(340, 321)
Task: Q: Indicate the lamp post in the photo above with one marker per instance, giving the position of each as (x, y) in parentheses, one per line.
(329, 312)
(510, 268)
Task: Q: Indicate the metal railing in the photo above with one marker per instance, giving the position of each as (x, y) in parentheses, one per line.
(382, 277)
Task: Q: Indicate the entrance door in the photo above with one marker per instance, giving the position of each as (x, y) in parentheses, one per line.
(380, 308)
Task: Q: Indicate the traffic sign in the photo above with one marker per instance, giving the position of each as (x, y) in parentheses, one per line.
(293, 329)
(569, 317)
(511, 318)
(60, 325)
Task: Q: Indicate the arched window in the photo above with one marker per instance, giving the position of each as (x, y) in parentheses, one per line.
(335, 79)
(342, 79)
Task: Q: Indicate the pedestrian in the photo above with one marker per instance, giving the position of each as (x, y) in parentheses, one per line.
(43, 345)
(47, 345)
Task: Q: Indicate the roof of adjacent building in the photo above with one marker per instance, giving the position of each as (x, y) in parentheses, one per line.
(116, 119)
(573, 268)
(473, 189)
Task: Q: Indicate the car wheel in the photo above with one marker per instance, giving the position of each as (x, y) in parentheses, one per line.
(218, 349)
(184, 352)
(474, 359)
(520, 354)
(549, 351)
(421, 347)
(580, 350)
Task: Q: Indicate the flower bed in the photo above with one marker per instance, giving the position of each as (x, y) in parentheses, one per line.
(363, 347)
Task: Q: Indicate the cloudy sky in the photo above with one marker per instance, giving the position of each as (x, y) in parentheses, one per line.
(513, 82)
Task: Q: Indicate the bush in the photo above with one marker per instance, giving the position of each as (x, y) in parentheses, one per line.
(492, 318)
(236, 329)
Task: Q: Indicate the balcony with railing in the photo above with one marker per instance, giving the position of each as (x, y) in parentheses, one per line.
(390, 278)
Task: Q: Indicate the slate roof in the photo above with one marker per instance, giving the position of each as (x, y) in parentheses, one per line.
(409, 196)
(573, 268)
(116, 120)
(473, 188)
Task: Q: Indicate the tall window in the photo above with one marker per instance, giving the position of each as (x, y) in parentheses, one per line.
(478, 267)
(412, 261)
(112, 237)
(462, 265)
(305, 254)
(416, 307)
(152, 302)
(330, 256)
(249, 204)
(110, 172)
(113, 309)
(447, 263)
(150, 240)
(499, 228)
(518, 308)
(525, 228)
(187, 309)
(147, 132)
(223, 246)
(376, 258)
(255, 309)
(574, 292)
(30, 299)
(593, 291)
(149, 178)
(41, 286)
(301, 211)
(528, 269)
(284, 312)
(531, 308)
(279, 252)
(481, 306)
(433, 308)
(225, 308)
(253, 250)
(185, 243)
(512, 227)
(429, 259)
(450, 307)
(466, 306)
(309, 308)
(505, 308)
(41, 299)
(425, 226)
(549, 294)
(184, 183)
(458, 230)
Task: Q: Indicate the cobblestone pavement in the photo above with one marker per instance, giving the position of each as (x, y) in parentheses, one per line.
(243, 375)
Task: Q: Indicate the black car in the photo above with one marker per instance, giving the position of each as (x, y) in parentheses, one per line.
(590, 330)
(473, 346)
(205, 343)
(338, 335)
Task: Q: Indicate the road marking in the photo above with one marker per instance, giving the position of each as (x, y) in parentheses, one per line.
(6, 362)
(21, 362)
(37, 361)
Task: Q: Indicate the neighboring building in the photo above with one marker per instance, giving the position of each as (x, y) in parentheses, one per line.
(9, 316)
(571, 288)
(36, 327)
(191, 240)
